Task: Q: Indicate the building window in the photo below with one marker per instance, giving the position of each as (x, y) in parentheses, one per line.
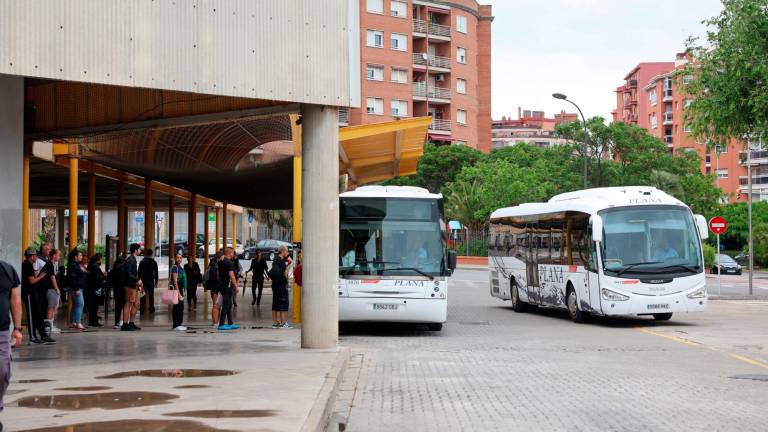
(709, 170)
(461, 117)
(652, 97)
(399, 9)
(375, 105)
(375, 6)
(461, 143)
(668, 83)
(375, 39)
(461, 86)
(374, 72)
(722, 173)
(722, 149)
(399, 108)
(687, 79)
(400, 75)
(399, 42)
(461, 55)
(461, 23)
(687, 128)
(654, 122)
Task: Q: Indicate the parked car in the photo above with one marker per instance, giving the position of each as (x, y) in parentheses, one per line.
(268, 248)
(742, 258)
(180, 244)
(239, 249)
(727, 266)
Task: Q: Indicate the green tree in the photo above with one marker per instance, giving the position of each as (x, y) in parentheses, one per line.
(760, 244)
(728, 79)
(440, 164)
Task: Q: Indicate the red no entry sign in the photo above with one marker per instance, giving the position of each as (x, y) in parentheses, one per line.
(718, 225)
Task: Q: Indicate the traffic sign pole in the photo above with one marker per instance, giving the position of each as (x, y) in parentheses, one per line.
(719, 270)
(718, 225)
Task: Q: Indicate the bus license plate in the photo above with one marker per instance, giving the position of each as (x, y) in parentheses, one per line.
(385, 306)
(658, 306)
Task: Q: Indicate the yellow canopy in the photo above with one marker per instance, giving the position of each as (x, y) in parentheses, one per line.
(377, 152)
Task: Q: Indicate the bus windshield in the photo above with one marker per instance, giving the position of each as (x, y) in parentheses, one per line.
(650, 239)
(391, 237)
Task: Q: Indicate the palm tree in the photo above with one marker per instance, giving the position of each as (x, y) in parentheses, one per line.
(462, 203)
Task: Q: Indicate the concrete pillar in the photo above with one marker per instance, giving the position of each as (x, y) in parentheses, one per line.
(91, 213)
(12, 150)
(73, 204)
(320, 204)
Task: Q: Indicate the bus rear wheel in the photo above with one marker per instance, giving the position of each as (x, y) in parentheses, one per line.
(517, 304)
(662, 316)
(577, 315)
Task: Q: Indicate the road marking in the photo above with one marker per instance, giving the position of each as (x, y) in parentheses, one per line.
(689, 342)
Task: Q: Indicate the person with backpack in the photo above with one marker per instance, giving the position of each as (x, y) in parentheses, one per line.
(279, 275)
(211, 284)
(227, 289)
(10, 313)
(132, 287)
(149, 275)
(194, 277)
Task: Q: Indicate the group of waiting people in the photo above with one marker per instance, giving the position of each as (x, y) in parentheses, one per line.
(42, 282)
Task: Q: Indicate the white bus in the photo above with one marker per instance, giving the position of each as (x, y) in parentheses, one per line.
(607, 251)
(393, 261)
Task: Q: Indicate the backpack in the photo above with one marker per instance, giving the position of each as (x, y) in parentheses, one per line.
(274, 273)
(211, 277)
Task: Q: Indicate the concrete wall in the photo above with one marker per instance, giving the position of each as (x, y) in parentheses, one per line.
(11, 147)
(287, 50)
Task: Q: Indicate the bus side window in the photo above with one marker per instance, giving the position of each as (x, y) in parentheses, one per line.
(591, 255)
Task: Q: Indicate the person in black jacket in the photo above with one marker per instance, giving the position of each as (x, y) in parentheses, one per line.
(95, 283)
(149, 275)
(116, 283)
(78, 281)
(132, 285)
(279, 276)
(259, 269)
(194, 278)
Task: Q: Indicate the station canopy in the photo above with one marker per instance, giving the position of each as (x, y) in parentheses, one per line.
(228, 149)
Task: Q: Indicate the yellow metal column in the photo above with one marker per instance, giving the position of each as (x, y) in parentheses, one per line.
(73, 162)
(224, 225)
(171, 231)
(122, 226)
(25, 202)
(91, 213)
(234, 230)
(296, 132)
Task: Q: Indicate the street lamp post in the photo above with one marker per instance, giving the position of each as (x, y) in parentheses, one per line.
(586, 133)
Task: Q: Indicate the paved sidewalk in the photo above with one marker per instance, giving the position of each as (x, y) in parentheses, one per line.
(281, 383)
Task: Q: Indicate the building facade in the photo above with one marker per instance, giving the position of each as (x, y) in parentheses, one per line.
(422, 58)
(531, 127)
(655, 103)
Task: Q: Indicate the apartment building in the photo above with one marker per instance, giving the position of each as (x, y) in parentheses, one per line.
(660, 108)
(422, 58)
(531, 127)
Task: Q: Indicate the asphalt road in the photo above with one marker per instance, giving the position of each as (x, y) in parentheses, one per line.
(494, 369)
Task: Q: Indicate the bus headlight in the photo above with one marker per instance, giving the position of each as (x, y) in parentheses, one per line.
(613, 295)
(699, 293)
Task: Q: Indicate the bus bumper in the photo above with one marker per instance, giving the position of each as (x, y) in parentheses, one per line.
(410, 310)
(647, 305)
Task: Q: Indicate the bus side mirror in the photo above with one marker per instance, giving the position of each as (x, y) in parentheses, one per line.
(597, 228)
(702, 226)
(452, 260)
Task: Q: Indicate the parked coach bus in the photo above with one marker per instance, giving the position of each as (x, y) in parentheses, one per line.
(607, 251)
(394, 264)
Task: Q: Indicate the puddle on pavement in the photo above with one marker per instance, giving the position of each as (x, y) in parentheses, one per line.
(223, 414)
(192, 386)
(753, 377)
(135, 426)
(86, 388)
(32, 381)
(172, 373)
(108, 401)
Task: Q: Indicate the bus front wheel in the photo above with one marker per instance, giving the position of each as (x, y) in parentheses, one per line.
(662, 316)
(577, 315)
(517, 304)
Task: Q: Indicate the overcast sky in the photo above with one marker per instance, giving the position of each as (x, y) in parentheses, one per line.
(582, 48)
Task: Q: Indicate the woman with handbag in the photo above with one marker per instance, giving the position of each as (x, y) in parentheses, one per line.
(174, 296)
(78, 282)
(94, 292)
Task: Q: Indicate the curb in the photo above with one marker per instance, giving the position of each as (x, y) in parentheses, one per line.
(739, 297)
(320, 414)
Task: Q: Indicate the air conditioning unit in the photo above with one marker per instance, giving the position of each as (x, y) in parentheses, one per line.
(440, 77)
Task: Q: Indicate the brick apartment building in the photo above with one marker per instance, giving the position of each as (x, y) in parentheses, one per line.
(422, 58)
(531, 127)
(650, 99)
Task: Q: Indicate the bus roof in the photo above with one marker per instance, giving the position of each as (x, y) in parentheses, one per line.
(591, 201)
(390, 192)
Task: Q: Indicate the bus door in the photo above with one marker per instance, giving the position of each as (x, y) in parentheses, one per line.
(593, 275)
(532, 265)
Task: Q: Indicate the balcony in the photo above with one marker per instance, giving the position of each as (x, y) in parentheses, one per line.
(631, 83)
(440, 126)
(668, 118)
(423, 28)
(756, 180)
(668, 140)
(628, 103)
(434, 61)
(436, 94)
(667, 95)
(757, 157)
(343, 116)
(630, 118)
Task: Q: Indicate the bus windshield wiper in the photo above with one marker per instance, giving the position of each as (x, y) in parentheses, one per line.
(352, 269)
(633, 265)
(412, 269)
(691, 268)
